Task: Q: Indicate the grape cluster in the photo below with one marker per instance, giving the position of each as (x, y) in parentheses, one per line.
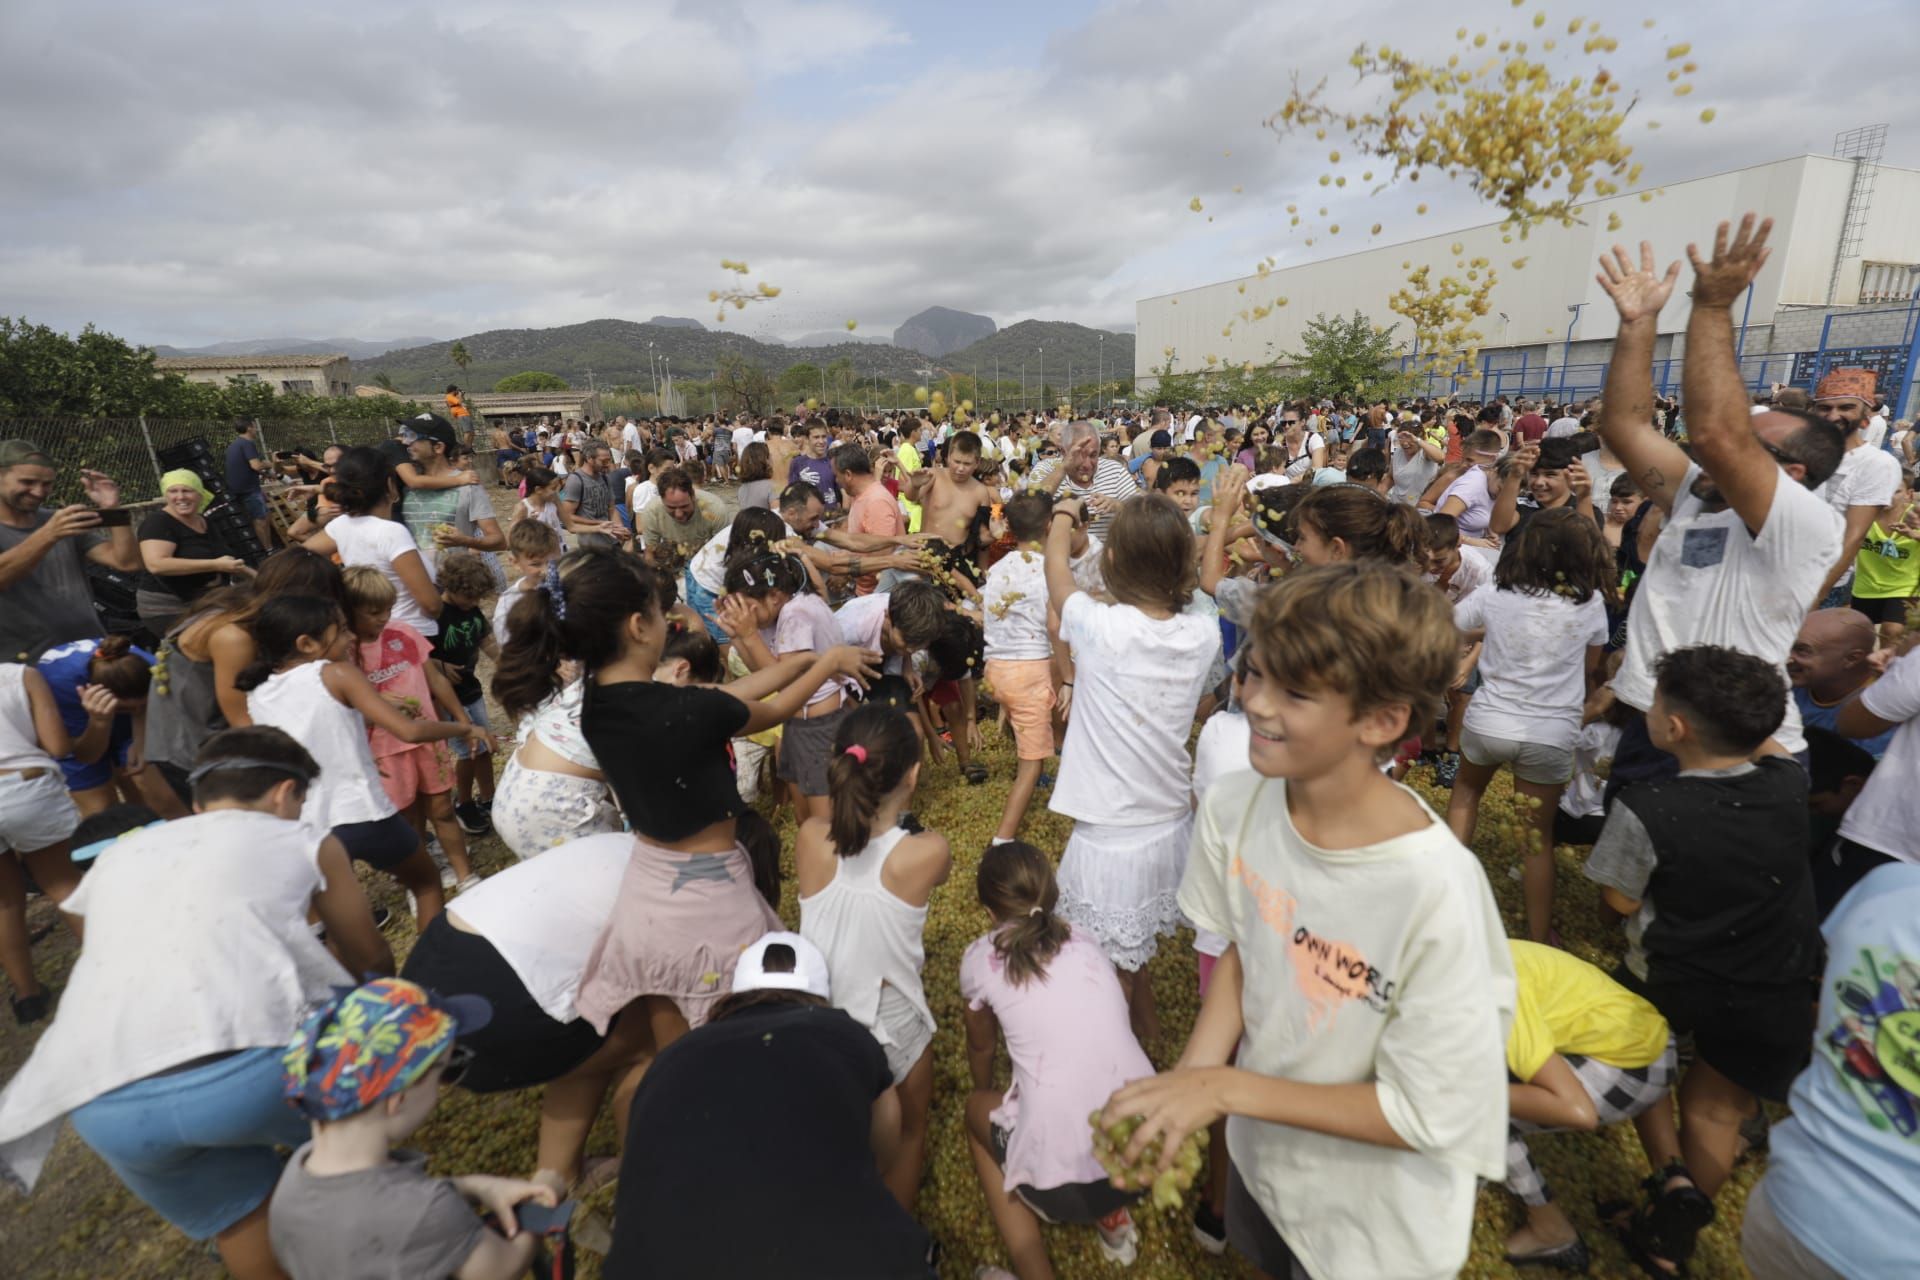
(1110, 1149)
(738, 296)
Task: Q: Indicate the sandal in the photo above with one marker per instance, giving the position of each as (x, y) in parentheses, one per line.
(1572, 1256)
(975, 774)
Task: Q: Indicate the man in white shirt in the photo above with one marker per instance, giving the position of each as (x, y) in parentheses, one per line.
(1861, 490)
(1746, 542)
(743, 435)
(629, 435)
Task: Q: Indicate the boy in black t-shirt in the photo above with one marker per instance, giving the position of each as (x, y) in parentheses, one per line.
(1710, 868)
(464, 635)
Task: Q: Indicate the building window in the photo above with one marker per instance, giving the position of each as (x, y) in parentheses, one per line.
(1888, 281)
(301, 387)
(245, 379)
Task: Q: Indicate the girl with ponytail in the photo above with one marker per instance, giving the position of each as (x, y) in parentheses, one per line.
(1352, 522)
(864, 886)
(1050, 990)
(687, 901)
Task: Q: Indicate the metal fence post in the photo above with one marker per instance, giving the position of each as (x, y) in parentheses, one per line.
(152, 456)
(260, 433)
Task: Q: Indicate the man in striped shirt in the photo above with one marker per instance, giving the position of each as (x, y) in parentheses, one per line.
(1105, 483)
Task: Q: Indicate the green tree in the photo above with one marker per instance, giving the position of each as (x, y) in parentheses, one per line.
(531, 380)
(742, 386)
(800, 380)
(383, 380)
(458, 354)
(1346, 358)
(1175, 390)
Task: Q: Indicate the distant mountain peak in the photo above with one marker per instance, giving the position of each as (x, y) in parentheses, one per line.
(676, 322)
(938, 331)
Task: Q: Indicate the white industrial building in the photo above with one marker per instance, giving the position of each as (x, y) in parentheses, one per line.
(1846, 243)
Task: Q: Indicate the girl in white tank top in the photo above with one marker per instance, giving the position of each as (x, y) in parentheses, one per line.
(298, 682)
(864, 886)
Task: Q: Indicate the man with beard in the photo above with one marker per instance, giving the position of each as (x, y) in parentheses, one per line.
(44, 598)
(586, 500)
(1862, 488)
(1746, 543)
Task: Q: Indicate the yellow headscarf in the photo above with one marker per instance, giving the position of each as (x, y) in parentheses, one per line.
(184, 478)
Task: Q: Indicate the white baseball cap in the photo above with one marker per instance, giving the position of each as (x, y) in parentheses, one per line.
(809, 972)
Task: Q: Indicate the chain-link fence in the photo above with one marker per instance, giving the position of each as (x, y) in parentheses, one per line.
(130, 450)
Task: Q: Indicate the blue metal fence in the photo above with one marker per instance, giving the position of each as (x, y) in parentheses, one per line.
(1884, 340)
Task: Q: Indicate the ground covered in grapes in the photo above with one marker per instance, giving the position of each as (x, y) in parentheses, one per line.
(82, 1224)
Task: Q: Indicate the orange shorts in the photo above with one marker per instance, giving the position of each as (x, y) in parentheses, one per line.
(424, 770)
(1024, 686)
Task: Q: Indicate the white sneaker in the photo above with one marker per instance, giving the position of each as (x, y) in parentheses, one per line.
(471, 882)
(448, 880)
(1120, 1243)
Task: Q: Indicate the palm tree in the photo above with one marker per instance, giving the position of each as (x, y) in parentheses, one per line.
(458, 354)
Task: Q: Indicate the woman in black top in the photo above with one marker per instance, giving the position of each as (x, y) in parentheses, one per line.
(687, 901)
(784, 1106)
(184, 558)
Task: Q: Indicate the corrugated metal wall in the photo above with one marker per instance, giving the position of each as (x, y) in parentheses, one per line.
(1806, 196)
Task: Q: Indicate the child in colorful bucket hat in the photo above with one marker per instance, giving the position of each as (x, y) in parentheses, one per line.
(366, 1069)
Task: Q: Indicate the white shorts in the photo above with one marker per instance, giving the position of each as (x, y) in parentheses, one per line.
(35, 813)
(908, 1033)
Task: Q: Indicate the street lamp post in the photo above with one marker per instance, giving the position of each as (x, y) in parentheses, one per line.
(1100, 372)
(1566, 348)
(1043, 374)
(653, 377)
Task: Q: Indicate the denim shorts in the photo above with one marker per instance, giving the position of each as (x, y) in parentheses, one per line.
(702, 601)
(477, 713)
(198, 1145)
(254, 504)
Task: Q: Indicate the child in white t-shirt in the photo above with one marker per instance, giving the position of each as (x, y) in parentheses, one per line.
(1542, 625)
(1367, 986)
(1019, 651)
(1141, 665)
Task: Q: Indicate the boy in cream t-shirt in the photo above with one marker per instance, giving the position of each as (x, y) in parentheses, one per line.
(1367, 985)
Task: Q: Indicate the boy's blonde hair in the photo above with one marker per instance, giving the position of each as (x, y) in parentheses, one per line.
(530, 537)
(1364, 629)
(367, 590)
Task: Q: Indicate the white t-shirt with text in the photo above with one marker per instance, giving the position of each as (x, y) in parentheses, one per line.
(1384, 965)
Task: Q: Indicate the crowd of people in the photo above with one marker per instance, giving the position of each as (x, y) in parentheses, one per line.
(1231, 634)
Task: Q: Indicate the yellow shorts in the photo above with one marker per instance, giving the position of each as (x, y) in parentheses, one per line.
(1024, 687)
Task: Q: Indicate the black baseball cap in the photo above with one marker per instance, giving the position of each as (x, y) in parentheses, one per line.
(430, 426)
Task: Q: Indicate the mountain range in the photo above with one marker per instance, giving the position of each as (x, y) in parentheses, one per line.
(607, 353)
(356, 349)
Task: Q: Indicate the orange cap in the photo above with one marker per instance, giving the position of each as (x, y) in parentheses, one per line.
(1847, 384)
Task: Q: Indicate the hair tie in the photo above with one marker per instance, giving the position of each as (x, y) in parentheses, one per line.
(1033, 910)
(857, 751)
(555, 592)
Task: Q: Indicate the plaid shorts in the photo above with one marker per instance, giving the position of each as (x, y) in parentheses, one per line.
(1618, 1094)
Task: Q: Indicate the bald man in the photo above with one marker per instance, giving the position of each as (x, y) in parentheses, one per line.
(1829, 666)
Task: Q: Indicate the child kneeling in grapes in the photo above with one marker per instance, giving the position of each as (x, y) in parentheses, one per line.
(1367, 984)
(1050, 989)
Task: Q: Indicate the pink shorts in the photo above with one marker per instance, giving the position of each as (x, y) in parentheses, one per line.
(423, 770)
(1024, 686)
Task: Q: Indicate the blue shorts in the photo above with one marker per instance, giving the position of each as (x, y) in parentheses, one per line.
(198, 1145)
(476, 712)
(85, 777)
(702, 601)
(254, 504)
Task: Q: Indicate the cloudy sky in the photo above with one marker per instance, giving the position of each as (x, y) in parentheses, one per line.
(202, 170)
